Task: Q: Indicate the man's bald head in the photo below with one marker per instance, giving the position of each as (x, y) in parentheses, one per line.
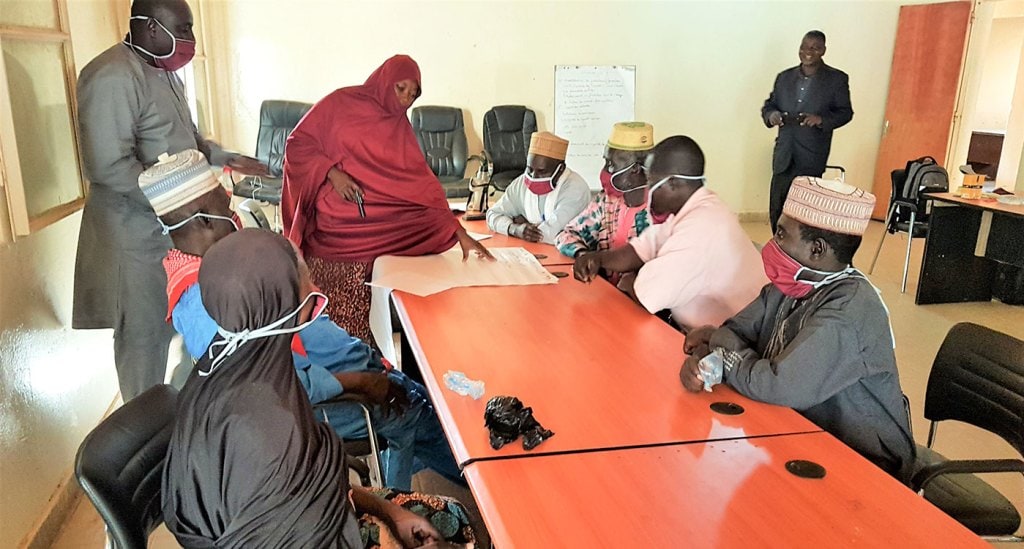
(151, 22)
(156, 8)
(676, 155)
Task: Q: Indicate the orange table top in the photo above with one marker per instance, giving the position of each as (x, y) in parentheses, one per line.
(734, 493)
(597, 369)
(551, 255)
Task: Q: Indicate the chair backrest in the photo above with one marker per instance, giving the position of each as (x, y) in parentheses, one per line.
(978, 378)
(120, 465)
(277, 120)
(507, 131)
(442, 138)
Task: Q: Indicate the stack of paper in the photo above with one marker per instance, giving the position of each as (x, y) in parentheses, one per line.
(430, 274)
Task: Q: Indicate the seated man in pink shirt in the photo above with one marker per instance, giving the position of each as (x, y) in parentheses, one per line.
(696, 261)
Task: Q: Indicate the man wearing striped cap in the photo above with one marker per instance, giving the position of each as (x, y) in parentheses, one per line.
(617, 214)
(817, 338)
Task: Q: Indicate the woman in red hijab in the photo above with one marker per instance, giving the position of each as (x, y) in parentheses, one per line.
(357, 186)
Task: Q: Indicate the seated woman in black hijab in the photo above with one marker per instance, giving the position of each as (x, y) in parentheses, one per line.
(248, 464)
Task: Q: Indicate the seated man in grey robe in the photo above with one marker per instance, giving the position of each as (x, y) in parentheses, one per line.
(817, 338)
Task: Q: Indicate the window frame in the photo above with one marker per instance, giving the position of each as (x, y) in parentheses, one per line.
(11, 182)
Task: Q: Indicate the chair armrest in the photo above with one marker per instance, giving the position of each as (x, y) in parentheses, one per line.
(361, 400)
(930, 472)
(907, 204)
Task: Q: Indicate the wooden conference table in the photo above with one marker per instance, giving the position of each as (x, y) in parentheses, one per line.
(967, 240)
(636, 461)
(596, 368)
(735, 493)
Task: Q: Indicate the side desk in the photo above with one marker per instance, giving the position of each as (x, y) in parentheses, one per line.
(966, 240)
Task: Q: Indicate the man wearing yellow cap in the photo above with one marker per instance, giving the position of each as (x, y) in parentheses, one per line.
(818, 337)
(539, 203)
(618, 213)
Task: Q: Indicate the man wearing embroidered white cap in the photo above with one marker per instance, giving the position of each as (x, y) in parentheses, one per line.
(818, 337)
(132, 108)
(195, 210)
(538, 204)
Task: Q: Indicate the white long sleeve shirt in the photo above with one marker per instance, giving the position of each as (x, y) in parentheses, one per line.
(550, 212)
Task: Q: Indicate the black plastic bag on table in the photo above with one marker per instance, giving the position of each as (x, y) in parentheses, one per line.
(506, 418)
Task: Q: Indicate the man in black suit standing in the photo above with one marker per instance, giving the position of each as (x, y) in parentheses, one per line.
(807, 102)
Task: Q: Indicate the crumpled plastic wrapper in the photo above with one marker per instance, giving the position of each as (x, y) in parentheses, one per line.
(506, 418)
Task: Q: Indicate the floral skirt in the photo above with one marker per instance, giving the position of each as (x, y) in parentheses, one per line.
(446, 514)
(344, 284)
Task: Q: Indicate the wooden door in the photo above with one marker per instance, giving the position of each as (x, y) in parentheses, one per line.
(926, 69)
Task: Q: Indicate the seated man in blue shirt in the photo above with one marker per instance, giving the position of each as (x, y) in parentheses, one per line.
(193, 208)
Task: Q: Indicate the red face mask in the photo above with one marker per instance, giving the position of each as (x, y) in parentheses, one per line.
(785, 272)
(782, 270)
(181, 55)
(182, 51)
(542, 185)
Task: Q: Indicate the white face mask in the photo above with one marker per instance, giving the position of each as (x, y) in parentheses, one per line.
(624, 170)
(233, 340)
(167, 229)
(662, 181)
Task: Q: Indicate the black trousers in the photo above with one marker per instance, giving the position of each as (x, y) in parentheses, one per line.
(780, 189)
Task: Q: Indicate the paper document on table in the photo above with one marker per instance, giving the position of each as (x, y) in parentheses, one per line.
(478, 236)
(430, 274)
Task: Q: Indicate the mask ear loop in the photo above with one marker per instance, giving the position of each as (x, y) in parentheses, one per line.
(174, 40)
(233, 340)
(856, 272)
(165, 229)
(624, 170)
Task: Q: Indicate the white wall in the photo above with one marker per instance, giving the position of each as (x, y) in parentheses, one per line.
(55, 383)
(703, 68)
(999, 75)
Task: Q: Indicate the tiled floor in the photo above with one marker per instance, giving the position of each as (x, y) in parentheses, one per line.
(919, 332)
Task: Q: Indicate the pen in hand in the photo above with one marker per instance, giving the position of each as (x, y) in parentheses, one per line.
(359, 202)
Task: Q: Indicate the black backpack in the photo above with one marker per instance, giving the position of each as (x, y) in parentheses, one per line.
(923, 175)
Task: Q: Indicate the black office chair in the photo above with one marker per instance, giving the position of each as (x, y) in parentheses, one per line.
(277, 120)
(908, 211)
(977, 378)
(120, 466)
(442, 138)
(507, 131)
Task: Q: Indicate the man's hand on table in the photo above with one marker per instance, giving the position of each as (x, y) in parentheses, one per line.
(526, 231)
(587, 266)
(689, 374)
(697, 341)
